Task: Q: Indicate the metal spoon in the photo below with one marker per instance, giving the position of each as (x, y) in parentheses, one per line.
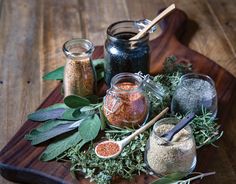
(125, 141)
(185, 121)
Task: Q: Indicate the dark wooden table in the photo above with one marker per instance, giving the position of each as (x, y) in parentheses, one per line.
(33, 31)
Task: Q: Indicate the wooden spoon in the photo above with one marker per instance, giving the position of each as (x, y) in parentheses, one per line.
(121, 144)
(154, 21)
(184, 122)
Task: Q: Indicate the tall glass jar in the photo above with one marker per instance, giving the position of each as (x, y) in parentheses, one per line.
(125, 103)
(79, 74)
(122, 54)
(178, 155)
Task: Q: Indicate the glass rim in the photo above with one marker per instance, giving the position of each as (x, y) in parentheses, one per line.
(114, 38)
(84, 43)
(172, 119)
(115, 80)
(198, 75)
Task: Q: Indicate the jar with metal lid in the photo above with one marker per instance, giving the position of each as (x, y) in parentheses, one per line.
(178, 155)
(122, 54)
(126, 103)
(79, 74)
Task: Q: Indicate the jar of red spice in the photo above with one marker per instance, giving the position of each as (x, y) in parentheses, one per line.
(126, 103)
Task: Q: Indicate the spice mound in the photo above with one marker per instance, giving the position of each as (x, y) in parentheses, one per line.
(179, 155)
(126, 106)
(107, 149)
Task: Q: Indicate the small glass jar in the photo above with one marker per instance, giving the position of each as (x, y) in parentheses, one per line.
(178, 155)
(122, 54)
(125, 103)
(79, 74)
(195, 93)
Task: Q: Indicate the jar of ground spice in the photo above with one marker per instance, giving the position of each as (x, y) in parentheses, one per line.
(125, 103)
(79, 74)
(178, 155)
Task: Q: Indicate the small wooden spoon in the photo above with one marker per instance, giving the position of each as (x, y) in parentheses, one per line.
(154, 21)
(125, 141)
(179, 126)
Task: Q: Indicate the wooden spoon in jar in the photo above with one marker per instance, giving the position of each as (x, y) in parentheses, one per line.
(111, 149)
(154, 21)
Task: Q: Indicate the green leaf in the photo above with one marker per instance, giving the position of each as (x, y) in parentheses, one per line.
(102, 119)
(51, 124)
(170, 178)
(98, 63)
(87, 108)
(72, 114)
(90, 127)
(58, 147)
(56, 131)
(57, 74)
(46, 126)
(74, 101)
(52, 112)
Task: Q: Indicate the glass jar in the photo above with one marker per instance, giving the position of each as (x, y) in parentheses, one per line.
(195, 93)
(122, 54)
(79, 74)
(178, 155)
(126, 103)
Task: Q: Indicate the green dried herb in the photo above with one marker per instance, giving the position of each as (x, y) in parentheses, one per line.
(129, 163)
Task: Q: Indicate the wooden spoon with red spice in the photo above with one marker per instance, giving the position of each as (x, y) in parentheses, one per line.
(111, 149)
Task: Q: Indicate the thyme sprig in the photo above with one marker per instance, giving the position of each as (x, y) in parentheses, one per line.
(129, 163)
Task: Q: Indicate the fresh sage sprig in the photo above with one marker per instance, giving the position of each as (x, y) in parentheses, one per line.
(73, 122)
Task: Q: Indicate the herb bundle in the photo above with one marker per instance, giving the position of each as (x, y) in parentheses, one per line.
(129, 163)
(70, 125)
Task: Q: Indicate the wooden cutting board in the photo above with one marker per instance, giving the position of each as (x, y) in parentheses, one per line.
(19, 160)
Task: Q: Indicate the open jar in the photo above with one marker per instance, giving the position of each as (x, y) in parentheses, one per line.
(126, 103)
(178, 155)
(195, 92)
(122, 54)
(79, 74)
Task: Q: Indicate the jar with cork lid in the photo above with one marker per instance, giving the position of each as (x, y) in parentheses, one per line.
(79, 74)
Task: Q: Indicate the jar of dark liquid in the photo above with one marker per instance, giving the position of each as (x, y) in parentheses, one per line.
(122, 54)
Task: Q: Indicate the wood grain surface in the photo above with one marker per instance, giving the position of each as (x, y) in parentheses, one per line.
(33, 31)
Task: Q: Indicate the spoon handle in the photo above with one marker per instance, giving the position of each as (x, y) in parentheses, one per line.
(154, 21)
(170, 134)
(143, 128)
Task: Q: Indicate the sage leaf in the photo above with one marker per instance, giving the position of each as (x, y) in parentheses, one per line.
(98, 63)
(70, 114)
(170, 178)
(51, 112)
(90, 127)
(54, 132)
(74, 101)
(102, 118)
(55, 149)
(88, 110)
(45, 127)
(51, 124)
(57, 74)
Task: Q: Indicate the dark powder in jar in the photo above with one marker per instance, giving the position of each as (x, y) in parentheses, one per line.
(107, 149)
(126, 109)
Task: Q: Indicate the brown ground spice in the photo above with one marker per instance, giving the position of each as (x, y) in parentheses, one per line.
(107, 149)
(132, 108)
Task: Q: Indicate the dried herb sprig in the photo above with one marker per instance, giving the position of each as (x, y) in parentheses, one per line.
(129, 163)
